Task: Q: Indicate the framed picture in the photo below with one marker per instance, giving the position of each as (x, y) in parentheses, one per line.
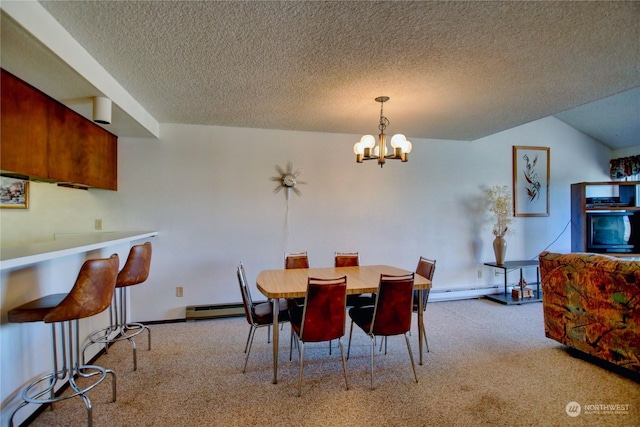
(530, 181)
(14, 193)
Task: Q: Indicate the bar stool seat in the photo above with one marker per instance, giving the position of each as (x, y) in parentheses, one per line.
(135, 271)
(36, 310)
(90, 295)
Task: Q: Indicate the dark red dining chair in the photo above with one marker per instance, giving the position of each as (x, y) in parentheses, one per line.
(391, 314)
(257, 314)
(296, 260)
(346, 259)
(352, 259)
(426, 268)
(321, 318)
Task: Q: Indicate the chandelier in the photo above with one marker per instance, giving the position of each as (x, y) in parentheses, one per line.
(367, 149)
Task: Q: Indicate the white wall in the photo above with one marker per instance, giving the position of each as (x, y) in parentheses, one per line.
(208, 193)
(625, 152)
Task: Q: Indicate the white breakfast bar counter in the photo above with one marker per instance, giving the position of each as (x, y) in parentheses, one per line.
(19, 256)
(34, 270)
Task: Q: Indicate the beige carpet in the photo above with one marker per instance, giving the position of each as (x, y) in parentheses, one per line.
(489, 364)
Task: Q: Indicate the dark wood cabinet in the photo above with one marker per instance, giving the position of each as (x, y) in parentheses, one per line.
(44, 139)
(79, 151)
(24, 128)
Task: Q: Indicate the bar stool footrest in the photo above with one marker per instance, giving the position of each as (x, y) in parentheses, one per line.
(38, 396)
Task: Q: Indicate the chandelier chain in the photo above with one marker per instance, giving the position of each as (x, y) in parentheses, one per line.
(384, 122)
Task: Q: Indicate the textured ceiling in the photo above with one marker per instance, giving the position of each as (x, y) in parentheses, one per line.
(453, 70)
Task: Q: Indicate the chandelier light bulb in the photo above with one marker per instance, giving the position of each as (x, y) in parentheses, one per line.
(400, 141)
(367, 141)
(408, 147)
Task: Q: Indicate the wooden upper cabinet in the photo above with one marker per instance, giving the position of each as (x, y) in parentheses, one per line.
(80, 152)
(23, 128)
(42, 138)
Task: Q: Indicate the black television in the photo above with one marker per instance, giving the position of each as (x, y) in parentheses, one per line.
(611, 231)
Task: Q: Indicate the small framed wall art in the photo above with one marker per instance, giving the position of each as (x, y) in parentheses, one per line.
(14, 193)
(531, 181)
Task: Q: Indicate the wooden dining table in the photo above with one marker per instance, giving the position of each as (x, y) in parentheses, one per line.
(292, 283)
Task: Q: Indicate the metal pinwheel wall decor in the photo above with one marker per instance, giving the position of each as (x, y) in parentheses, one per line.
(288, 180)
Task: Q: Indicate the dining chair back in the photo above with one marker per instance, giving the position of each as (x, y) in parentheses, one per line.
(352, 259)
(321, 318)
(426, 268)
(247, 301)
(391, 314)
(257, 315)
(346, 259)
(296, 260)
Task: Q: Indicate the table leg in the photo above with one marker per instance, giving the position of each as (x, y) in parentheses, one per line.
(505, 282)
(521, 287)
(420, 322)
(276, 333)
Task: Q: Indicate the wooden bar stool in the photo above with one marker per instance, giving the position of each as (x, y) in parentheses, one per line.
(91, 294)
(135, 271)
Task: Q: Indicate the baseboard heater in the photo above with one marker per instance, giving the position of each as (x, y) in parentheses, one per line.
(214, 311)
(444, 294)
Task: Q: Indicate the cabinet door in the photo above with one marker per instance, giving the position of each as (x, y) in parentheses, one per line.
(80, 151)
(23, 144)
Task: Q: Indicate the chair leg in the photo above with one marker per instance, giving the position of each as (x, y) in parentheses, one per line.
(349, 346)
(246, 346)
(87, 404)
(135, 355)
(301, 344)
(344, 364)
(411, 357)
(246, 359)
(290, 344)
(373, 350)
(113, 384)
(383, 339)
(118, 324)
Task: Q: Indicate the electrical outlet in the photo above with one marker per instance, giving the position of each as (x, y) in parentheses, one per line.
(479, 273)
(98, 224)
(179, 291)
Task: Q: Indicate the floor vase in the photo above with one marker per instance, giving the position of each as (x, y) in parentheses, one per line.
(500, 249)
